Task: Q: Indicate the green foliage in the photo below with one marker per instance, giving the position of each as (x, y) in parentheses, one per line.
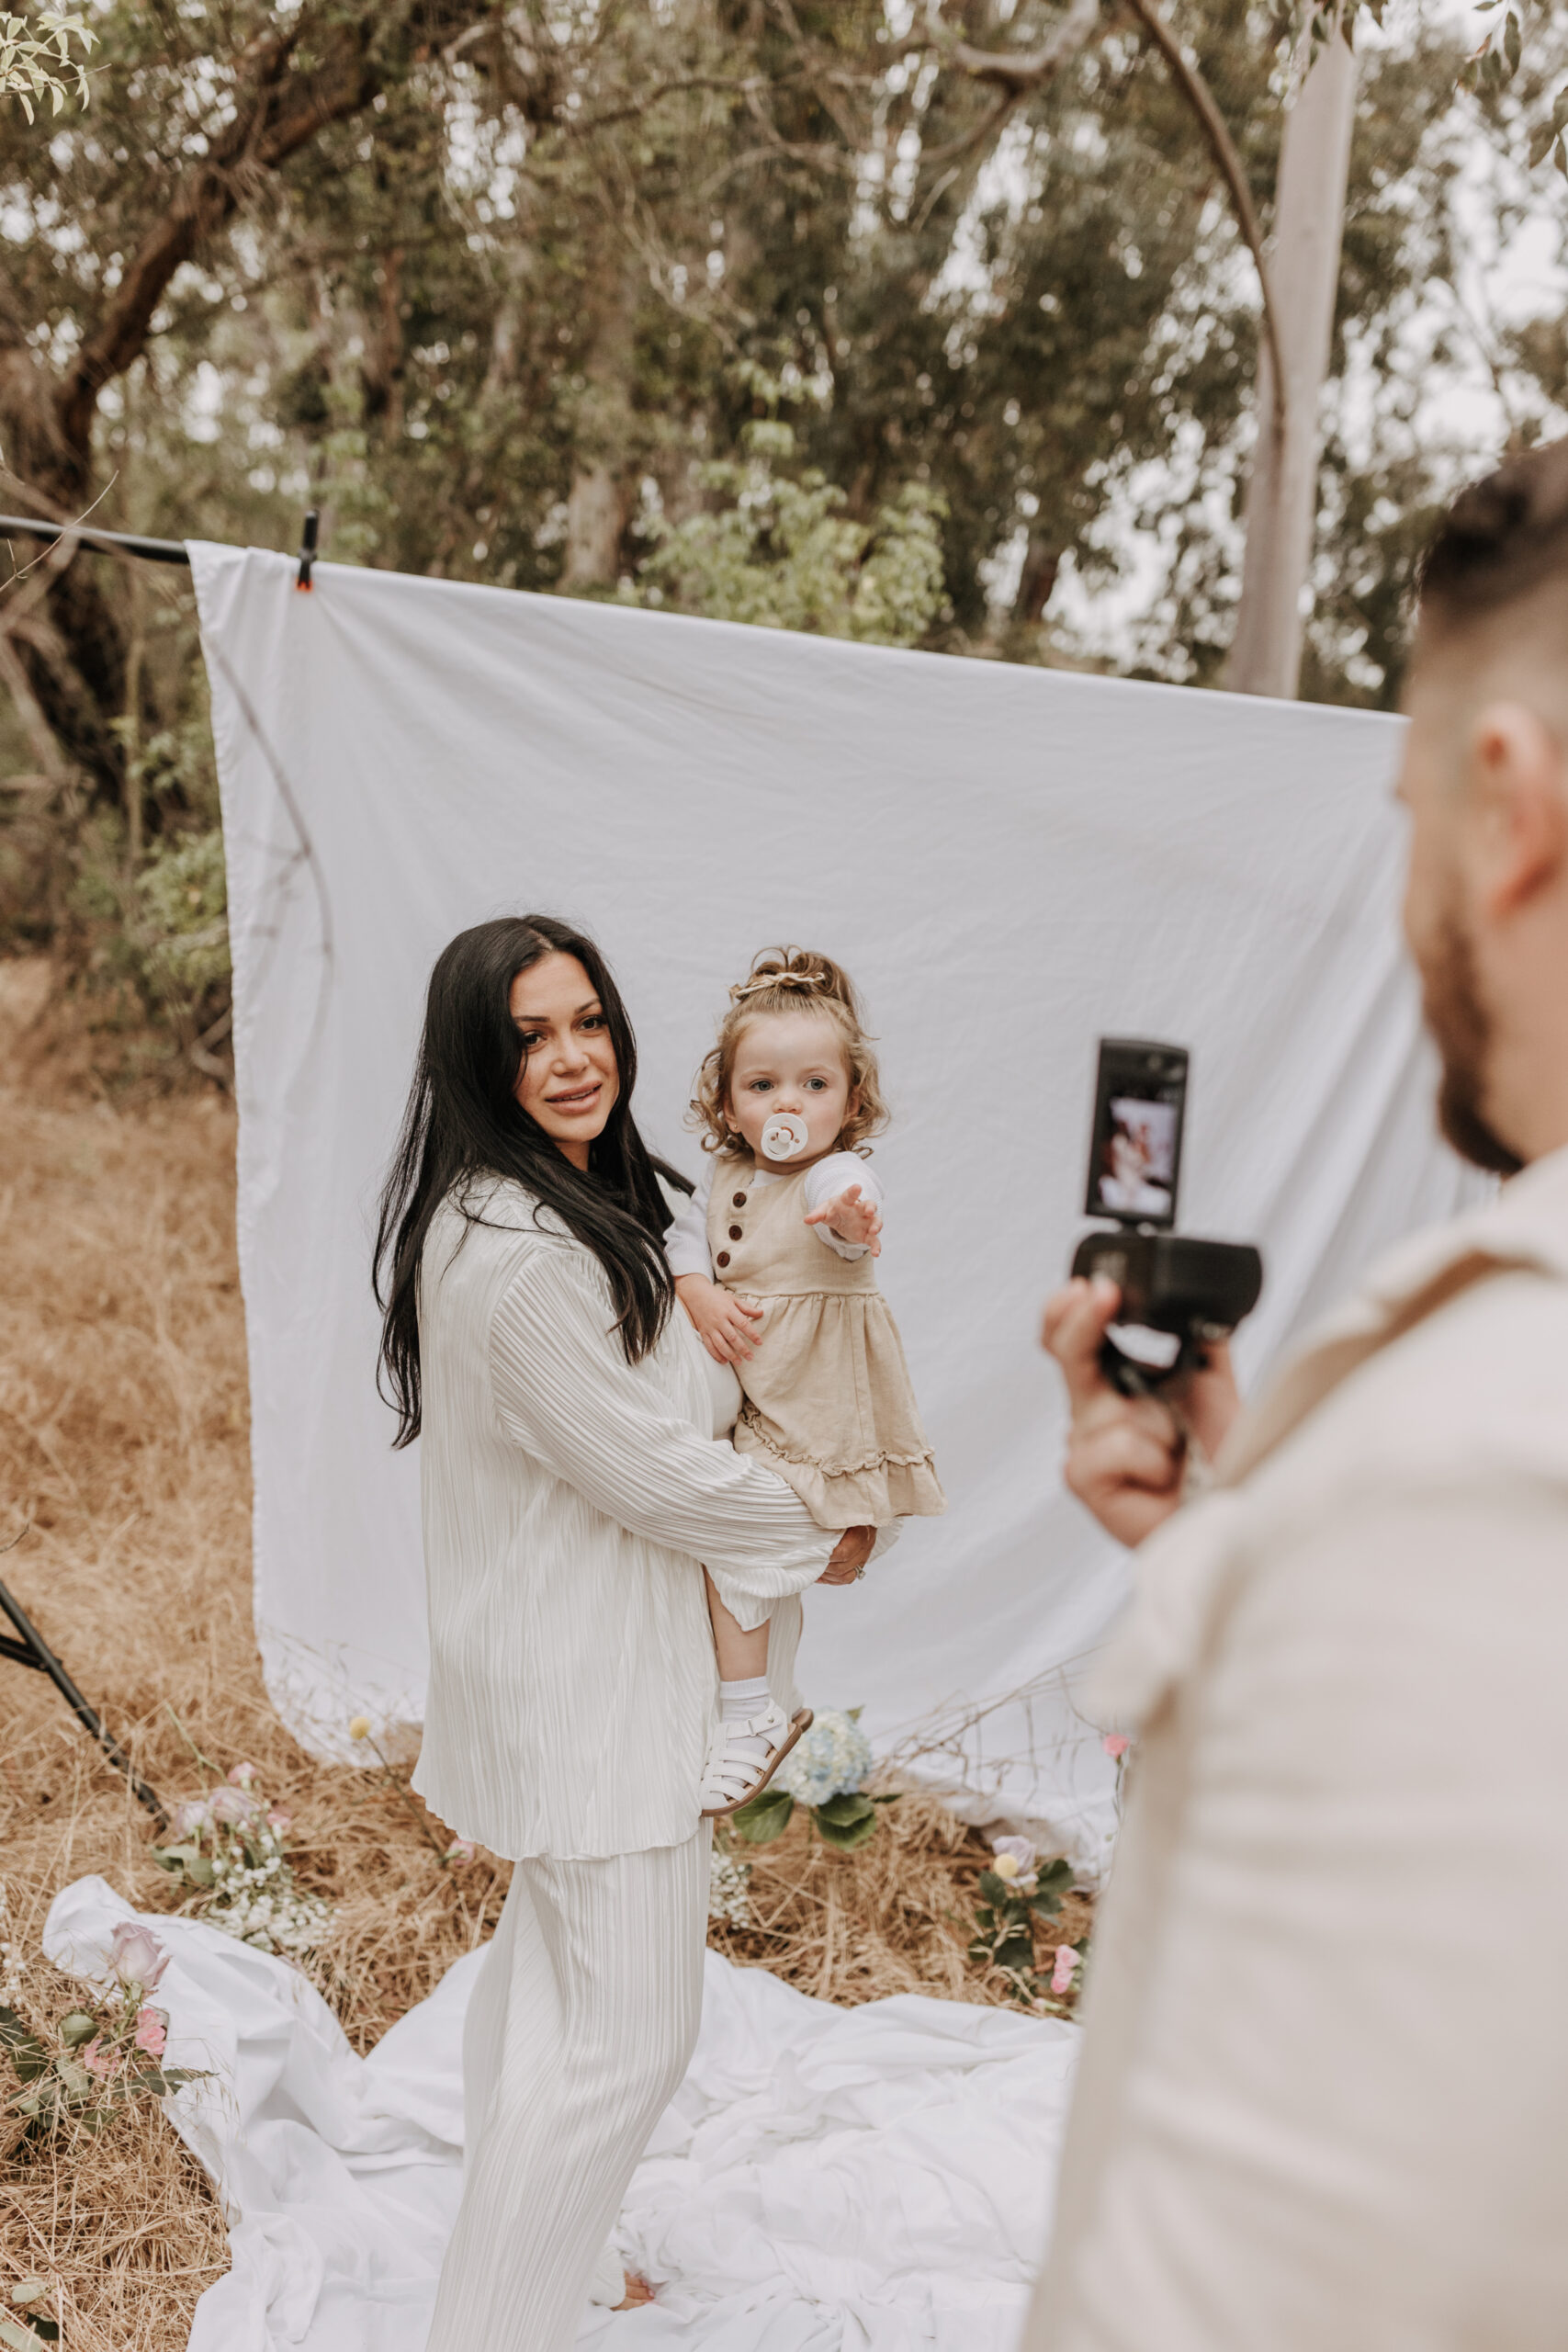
(778, 550)
(845, 1821)
(184, 929)
(59, 2091)
(35, 57)
(1004, 1923)
(529, 303)
(766, 1817)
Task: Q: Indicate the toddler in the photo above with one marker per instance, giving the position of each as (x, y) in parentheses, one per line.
(772, 1259)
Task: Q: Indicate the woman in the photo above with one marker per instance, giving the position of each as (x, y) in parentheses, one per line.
(571, 1490)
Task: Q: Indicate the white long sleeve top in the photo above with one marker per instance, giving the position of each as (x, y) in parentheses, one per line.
(686, 1243)
(568, 1499)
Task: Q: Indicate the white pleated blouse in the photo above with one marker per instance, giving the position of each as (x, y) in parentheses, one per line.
(567, 1499)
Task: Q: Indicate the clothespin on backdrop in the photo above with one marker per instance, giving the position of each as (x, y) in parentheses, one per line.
(308, 549)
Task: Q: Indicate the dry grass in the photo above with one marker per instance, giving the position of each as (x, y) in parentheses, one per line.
(122, 1438)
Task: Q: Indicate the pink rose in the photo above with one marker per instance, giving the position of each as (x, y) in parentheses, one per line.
(460, 1852)
(281, 1821)
(241, 1775)
(136, 1955)
(233, 1805)
(193, 1817)
(151, 2030)
(1116, 1744)
(1066, 1968)
(97, 2059)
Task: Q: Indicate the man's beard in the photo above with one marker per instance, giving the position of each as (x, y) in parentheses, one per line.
(1460, 1027)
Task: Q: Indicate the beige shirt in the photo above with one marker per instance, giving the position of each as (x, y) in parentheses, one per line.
(1324, 2098)
(568, 1499)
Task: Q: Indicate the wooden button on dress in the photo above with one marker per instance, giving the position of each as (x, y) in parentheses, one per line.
(735, 1233)
(738, 1201)
(722, 1259)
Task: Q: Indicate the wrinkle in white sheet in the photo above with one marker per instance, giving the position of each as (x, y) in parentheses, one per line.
(873, 2179)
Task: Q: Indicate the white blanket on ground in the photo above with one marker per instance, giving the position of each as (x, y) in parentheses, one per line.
(873, 2179)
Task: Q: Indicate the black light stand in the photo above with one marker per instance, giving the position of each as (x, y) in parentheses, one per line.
(32, 1650)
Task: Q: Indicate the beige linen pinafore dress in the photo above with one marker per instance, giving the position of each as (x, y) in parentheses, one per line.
(828, 1400)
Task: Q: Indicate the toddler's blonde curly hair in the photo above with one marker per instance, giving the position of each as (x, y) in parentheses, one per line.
(791, 979)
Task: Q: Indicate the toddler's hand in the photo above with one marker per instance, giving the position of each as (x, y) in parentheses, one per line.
(722, 1321)
(850, 1219)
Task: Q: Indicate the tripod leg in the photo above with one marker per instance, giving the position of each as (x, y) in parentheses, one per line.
(45, 1659)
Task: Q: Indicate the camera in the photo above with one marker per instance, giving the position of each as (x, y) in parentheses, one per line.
(1179, 1293)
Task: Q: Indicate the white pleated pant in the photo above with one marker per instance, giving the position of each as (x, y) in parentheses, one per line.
(578, 2031)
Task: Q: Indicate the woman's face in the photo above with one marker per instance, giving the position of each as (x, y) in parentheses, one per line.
(568, 1081)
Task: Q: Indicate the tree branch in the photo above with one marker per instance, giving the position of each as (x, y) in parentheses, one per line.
(1222, 148)
(279, 113)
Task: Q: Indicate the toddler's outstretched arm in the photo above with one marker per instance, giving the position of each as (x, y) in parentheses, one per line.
(851, 1218)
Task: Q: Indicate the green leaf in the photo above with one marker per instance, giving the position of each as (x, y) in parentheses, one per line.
(25, 2052)
(1560, 157)
(79, 2026)
(1043, 1902)
(47, 2329)
(1541, 142)
(844, 1810)
(14, 2338)
(845, 1836)
(765, 1818)
(995, 1889)
(1512, 42)
(888, 1800)
(1059, 1873)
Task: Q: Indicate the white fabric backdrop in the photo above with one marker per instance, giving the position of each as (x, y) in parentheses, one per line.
(1009, 862)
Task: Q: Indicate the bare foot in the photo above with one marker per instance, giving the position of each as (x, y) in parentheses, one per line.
(639, 2292)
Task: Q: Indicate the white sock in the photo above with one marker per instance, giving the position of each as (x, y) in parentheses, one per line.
(739, 1701)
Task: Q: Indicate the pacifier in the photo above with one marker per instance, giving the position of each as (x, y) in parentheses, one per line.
(785, 1137)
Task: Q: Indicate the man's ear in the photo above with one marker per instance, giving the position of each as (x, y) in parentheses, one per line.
(1517, 831)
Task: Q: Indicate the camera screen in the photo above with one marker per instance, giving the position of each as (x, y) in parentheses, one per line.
(1135, 1157)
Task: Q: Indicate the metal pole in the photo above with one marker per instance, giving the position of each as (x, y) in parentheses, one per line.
(30, 526)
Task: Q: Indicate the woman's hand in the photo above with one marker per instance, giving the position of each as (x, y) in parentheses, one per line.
(1126, 1455)
(851, 1553)
(850, 1219)
(723, 1322)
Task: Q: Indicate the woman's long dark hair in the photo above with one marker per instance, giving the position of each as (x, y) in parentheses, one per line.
(464, 1120)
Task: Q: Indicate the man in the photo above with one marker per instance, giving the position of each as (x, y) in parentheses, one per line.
(1323, 2097)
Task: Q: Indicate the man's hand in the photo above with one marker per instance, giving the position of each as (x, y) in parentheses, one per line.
(723, 1322)
(851, 1553)
(850, 1219)
(1125, 1454)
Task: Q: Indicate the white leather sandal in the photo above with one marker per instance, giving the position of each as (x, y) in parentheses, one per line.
(732, 1779)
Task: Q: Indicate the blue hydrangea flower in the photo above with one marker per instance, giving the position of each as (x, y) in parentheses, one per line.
(833, 1760)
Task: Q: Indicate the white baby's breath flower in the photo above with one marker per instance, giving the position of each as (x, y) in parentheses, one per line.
(730, 1897)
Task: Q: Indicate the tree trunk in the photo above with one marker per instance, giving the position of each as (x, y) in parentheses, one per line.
(1282, 502)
